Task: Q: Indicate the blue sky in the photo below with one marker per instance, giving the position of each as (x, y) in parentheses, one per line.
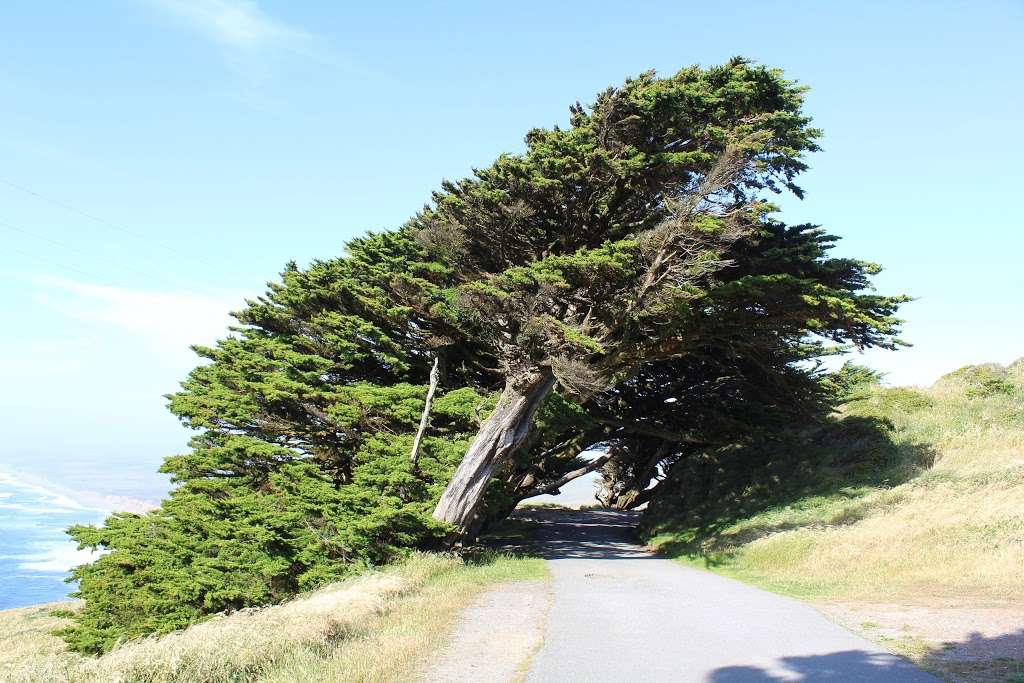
(161, 159)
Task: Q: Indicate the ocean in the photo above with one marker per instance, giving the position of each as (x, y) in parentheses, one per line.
(35, 553)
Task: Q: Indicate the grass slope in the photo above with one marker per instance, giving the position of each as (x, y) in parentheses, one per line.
(912, 497)
(380, 626)
(937, 512)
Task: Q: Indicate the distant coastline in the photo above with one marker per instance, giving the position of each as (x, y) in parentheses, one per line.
(35, 553)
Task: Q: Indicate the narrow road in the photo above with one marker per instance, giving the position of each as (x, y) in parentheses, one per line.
(622, 614)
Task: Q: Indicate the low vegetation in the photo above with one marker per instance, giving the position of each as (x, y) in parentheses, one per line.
(379, 626)
(907, 496)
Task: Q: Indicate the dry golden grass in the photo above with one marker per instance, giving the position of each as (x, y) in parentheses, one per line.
(27, 650)
(919, 543)
(376, 627)
(395, 644)
(955, 530)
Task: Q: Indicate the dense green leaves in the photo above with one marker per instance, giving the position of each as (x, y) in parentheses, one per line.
(221, 544)
(301, 472)
(630, 256)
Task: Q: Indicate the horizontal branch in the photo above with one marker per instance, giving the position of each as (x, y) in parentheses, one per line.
(554, 486)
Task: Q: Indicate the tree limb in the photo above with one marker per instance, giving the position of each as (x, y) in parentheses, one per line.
(425, 418)
(554, 486)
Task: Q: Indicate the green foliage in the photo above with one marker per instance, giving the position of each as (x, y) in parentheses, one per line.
(221, 544)
(812, 462)
(675, 318)
(556, 250)
(224, 542)
(301, 469)
(758, 327)
(980, 381)
(850, 379)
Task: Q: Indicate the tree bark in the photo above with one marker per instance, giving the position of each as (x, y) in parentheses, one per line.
(500, 434)
(634, 492)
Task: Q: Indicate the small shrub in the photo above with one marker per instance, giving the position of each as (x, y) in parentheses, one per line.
(980, 381)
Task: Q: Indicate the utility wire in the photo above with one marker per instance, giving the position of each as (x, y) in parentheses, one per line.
(62, 266)
(106, 223)
(118, 264)
(177, 284)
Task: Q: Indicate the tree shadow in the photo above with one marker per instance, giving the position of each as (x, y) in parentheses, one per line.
(851, 666)
(834, 459)
(981, 658)
(976, 658)
(555, 534)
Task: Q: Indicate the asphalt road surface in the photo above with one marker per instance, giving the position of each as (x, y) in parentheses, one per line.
(621, 614)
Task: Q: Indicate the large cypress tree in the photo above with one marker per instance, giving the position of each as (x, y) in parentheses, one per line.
(608, 246)
(621, 285)
(782, 304)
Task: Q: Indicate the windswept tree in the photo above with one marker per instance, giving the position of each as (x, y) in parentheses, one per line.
(621, 285)
(607, 246)
(780, 305)
(301, 471)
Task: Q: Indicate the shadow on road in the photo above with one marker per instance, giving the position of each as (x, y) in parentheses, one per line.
(583, 534)
(693, 626)
(850, 665)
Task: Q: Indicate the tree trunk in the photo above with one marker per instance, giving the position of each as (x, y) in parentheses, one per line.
(500, 434)
(624, 500)
(626, 495)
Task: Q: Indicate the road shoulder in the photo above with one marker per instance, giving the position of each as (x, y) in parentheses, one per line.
(496, 637)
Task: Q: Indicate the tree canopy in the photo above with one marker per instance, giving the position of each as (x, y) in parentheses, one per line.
(623, 285)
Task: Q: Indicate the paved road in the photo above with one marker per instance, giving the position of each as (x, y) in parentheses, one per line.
(621, 614)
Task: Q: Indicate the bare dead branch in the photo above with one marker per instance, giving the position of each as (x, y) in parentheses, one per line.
(425, 417)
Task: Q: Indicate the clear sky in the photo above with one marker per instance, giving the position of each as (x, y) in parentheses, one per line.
(161, 159)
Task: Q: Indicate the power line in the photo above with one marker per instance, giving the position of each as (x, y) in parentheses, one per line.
(116, 264)
(57, 264)
(104, 222)
(150, 275)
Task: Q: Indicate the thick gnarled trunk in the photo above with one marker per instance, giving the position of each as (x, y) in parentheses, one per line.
(633, 490)
(501, 433)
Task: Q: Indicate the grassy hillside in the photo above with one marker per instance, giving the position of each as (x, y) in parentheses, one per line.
(910, 492)
(905, 515)
(377, 627)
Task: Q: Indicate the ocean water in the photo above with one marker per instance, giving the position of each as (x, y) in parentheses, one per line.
(35, 553)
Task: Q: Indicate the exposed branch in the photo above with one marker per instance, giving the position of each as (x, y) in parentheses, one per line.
(554, 486)
(425, 418)
(670, 237)
(623, 495)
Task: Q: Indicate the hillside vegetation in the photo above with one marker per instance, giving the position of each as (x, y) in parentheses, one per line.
(379, 626)
(908, 494)
(900, 517)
